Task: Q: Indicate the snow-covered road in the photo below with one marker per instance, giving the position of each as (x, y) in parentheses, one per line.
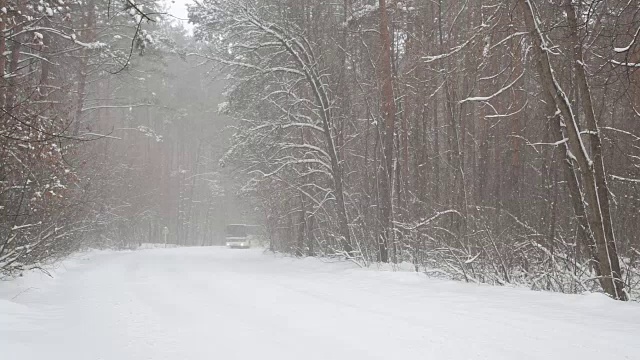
(215, 303)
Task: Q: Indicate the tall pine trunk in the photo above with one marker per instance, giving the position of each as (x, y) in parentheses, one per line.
(388, 114)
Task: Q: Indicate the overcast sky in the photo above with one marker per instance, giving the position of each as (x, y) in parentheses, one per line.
(178, 9)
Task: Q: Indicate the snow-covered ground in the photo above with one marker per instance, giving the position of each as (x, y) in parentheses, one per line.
(216, 303)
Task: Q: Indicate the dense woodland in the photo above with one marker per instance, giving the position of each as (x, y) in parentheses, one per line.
(486, 141)
(106, 133)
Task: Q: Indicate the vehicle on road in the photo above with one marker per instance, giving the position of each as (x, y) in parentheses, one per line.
(236, 236)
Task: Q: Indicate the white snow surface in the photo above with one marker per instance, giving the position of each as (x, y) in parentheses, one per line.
(216, 303)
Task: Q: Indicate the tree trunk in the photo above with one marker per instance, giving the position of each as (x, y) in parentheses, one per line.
(388, 114)
(3, 49)
(596, 145)
(606, 259)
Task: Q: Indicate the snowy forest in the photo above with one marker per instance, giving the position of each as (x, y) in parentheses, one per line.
(487, 141)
